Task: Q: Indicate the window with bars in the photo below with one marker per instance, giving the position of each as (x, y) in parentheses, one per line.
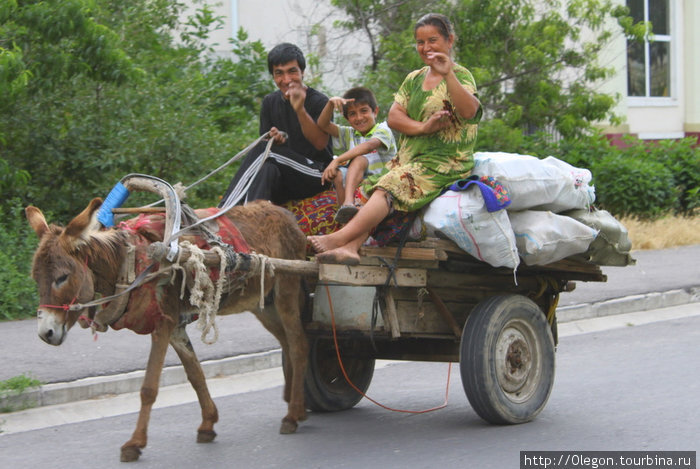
(649, 63)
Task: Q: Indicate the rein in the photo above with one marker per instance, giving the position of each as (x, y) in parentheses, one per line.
(67, 307)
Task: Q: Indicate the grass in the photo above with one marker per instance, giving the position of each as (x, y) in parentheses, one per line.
(666, 232)
(15, 386)
(18, 384)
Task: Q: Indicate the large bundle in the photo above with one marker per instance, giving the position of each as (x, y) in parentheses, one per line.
(550, 216)
(478, 227)
(535, 184)
(544, 237)
(612, 245)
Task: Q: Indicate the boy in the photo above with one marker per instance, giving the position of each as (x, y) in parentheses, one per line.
(294, 168)
(367, 145)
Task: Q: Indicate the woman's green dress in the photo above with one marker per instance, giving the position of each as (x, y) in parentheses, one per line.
(425, 164)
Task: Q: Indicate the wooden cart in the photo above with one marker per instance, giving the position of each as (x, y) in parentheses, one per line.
(433, 302)
(439, 304)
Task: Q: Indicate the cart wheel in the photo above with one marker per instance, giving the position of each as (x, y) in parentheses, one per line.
(507, 359)
(325, 387)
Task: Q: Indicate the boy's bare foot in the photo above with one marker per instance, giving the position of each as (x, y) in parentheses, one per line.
(321, 243)
(341, 255)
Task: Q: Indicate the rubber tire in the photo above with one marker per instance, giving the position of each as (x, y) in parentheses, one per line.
(325, 387)
(499, 391)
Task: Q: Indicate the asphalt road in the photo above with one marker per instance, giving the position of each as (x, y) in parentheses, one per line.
(627, 385)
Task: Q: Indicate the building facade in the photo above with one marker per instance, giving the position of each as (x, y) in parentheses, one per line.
(659, 81)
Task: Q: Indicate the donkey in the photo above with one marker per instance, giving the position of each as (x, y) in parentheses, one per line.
(74, 264)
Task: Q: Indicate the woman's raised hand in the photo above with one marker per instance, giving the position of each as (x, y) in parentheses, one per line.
(440, 63)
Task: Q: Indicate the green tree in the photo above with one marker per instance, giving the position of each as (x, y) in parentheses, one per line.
(378, 19)
(92, 91)
(535, 62)
(119, 87)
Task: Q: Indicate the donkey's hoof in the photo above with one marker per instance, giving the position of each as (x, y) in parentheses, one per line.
(288, 426)
(205, 436)
(130, 454)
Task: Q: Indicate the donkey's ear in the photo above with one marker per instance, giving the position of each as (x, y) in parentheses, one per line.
(85, 223)
(36, 220)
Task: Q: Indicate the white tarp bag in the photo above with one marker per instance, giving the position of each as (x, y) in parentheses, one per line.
(612, 245)
(545, 237)
(462, 216)
(532, 183)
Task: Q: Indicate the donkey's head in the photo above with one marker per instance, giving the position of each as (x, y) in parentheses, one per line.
(60, 269)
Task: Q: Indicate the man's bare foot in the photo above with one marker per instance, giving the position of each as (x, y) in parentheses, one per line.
(321, 243)
(341, 255)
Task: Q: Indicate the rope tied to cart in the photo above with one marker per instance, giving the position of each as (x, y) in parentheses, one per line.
(352, 385)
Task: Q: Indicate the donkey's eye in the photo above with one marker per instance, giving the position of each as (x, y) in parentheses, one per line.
(60, 280)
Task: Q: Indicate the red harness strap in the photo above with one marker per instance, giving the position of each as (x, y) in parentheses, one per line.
(144, 310)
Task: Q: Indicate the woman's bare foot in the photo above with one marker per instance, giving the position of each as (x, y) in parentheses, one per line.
(341, 255)
(322, 243)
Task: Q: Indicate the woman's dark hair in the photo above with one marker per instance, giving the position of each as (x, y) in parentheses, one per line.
(441, 22)
(360, 95)
(284, 53)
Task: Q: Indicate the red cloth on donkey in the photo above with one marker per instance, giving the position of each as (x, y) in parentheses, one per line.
(143, 310)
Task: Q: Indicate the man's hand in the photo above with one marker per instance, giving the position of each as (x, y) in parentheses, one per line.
(277, 136)
(296, 94)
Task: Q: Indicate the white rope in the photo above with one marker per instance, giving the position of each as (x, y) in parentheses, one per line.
(204, 295)
(236, 195)
(263, 260)
(243, 185)
(259, 264)
(177, 267)
(220, 282)
(235, 158)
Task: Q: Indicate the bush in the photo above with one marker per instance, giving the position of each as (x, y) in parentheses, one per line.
(18, 297)
(684, 162)
(631, 184)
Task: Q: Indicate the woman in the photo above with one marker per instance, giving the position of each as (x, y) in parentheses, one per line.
(436, 111)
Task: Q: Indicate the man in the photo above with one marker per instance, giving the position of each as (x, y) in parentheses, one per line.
(294, 167)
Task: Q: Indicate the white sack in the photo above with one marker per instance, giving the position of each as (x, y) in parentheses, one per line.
(545, 237)
(612, 245)
(548, 184)
(462, 217)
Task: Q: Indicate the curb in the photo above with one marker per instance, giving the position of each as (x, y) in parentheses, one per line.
(102, 386)
(629, 304)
